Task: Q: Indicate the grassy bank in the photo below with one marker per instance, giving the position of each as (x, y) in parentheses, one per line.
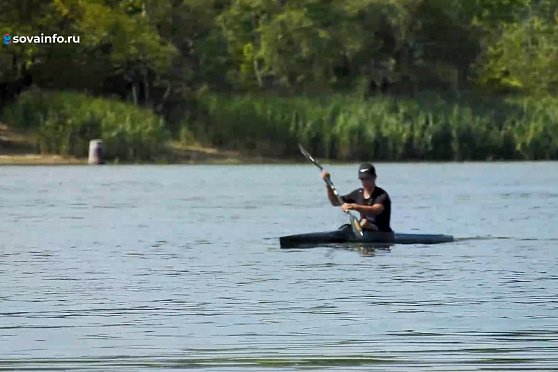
(64, 123)
(425, 128)
(20, 148)
(236, 129)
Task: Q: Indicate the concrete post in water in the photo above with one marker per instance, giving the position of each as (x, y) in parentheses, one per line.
(96, 152)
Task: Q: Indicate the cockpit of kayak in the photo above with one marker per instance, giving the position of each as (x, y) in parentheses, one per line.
(345, 235)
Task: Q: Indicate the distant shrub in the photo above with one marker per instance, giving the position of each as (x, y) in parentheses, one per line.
(66, 122)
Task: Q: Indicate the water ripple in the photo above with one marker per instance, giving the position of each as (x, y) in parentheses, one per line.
(151, 268)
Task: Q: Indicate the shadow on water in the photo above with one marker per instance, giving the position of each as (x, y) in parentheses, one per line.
(365, 250)
(236, 363)
(489, 358)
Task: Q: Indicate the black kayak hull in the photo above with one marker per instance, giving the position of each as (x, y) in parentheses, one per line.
(345, 235)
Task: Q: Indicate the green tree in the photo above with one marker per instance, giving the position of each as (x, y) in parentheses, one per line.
(119, 51)
(525, 58)
(523, 55)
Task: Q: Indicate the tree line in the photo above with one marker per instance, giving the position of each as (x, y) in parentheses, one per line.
(164, 55)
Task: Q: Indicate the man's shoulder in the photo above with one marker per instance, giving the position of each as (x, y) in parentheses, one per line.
(353, 195)
(357, 191)
(379, 191)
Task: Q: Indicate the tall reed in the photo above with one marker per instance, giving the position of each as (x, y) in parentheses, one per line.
(425, 128)
(64, 123)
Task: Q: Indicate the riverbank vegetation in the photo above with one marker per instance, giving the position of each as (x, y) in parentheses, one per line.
(64, 123)
(352, 80)
(426, 127)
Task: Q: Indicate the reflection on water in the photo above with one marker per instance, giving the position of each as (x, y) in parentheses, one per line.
(160, 267)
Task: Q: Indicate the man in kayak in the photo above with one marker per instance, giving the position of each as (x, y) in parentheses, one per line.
(372, 202)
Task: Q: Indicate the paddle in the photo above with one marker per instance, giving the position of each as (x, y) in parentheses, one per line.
(355, 225)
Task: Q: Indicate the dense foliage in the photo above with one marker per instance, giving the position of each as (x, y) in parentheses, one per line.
(165, 55)
(65, 122)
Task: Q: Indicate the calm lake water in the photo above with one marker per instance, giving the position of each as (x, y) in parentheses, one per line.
(156, 267)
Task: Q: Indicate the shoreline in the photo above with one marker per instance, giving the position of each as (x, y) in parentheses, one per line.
(18, 149)
(38, 159)
(217, 157)
(186, 156)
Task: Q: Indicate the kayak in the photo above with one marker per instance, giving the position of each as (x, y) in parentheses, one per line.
(344, 235)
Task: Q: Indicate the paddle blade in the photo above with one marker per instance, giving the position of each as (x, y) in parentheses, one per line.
(304, 152)
(355, 225)
(308, 156)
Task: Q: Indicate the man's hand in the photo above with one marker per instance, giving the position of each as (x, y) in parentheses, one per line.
(325, 174)
(348, 207)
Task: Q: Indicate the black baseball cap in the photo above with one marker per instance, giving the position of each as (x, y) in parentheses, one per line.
(366, 171)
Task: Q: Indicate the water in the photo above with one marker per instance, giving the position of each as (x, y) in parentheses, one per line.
(156, 267)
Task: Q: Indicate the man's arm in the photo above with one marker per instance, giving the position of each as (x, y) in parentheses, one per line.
(367, 210)
(370, 210)
(331, 196)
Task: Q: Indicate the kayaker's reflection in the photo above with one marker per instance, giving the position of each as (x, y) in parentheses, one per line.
(372, 250)
(371, 201)
(364, 251)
